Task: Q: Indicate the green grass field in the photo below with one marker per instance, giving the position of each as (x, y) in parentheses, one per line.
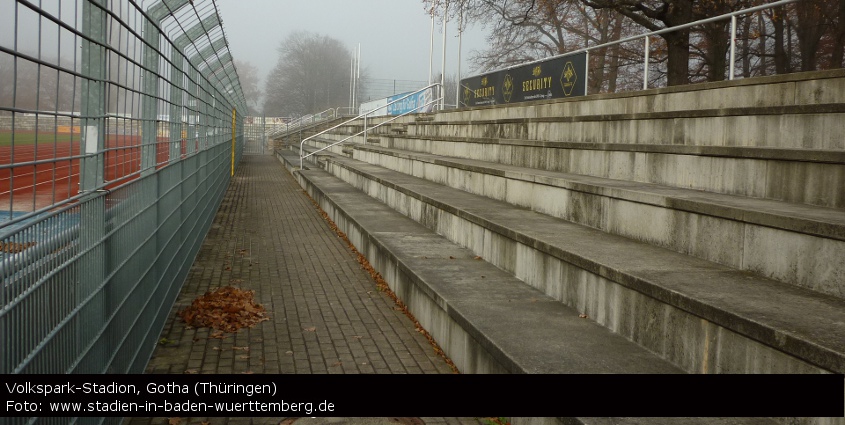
(29, 138)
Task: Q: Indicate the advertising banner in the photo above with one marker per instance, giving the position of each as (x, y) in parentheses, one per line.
(553, 79)
(379, 106)
(411, 103)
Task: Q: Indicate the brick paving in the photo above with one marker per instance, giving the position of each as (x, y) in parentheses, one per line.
(326, 313)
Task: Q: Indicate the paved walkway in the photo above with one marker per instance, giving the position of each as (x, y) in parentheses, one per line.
(326, 312)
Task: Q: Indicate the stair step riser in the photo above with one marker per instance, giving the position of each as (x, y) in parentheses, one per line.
(797, 258)
(826, 87)
(797, 181)
(692, 342)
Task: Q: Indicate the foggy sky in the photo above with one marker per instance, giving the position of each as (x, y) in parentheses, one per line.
(394, 34)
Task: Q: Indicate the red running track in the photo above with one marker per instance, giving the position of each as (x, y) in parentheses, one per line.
(30, 187)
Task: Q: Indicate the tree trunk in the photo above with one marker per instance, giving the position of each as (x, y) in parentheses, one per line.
(761, 24)
(615, 51)
(839, 40)
(718, 46)
(810, 29)
(677, 42)
(677, 66)
(781, 57)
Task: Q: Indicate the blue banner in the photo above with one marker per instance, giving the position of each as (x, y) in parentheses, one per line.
(410, 103)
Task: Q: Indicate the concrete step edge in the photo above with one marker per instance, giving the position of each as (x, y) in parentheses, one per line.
(511, 301)
(813, 332)
(739, 152)
(807, 219)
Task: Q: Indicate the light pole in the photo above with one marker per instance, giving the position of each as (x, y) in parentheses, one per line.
(431, 49)
(443, 64)
(460, 43)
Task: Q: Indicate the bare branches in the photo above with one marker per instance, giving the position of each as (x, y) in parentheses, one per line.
(312, 75)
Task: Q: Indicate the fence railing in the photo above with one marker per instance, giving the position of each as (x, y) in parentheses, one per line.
(303, 121)
(120, 128)
(363, 116)
(645, 61)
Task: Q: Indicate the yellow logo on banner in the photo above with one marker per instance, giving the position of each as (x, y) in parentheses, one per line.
(483, 81)
(537, 71)
(467, 95)
(507, 88)
(568, 78)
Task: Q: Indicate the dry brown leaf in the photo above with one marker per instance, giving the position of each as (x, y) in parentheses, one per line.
(15, 247)
(191, 372)
(174, 421)
(311, 329)
(477, 257)
(226, 309)
(583, 316)
(243, 357)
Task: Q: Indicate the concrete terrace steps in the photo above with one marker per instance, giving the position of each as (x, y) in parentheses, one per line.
(809, 176)
(476, 311)
(802, 110)
(688, 221)
(831, 156)
(697, 314)
(786, 90)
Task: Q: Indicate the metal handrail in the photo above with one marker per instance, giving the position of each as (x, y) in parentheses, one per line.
(732, 16)
(364, 115)
(351, 110)
(310, 119)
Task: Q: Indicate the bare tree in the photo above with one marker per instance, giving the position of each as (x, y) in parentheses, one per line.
(312, 75)
(248, 76)
(25, 85)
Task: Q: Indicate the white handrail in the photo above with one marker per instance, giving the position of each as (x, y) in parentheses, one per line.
(364, 115)
(311, 118)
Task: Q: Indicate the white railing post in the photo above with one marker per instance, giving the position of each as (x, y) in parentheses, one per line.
(645, 63)
(586, 72)
(733, 47)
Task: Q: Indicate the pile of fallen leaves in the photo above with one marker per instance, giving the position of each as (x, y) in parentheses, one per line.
(227, 309)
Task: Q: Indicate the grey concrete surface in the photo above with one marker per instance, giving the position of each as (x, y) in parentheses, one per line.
(789, 328)
(326, 314)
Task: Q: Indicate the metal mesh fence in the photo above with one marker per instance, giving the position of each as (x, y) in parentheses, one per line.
(120, 127)
(255, 135)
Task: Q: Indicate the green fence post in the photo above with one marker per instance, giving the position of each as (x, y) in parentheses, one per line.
(89, 295)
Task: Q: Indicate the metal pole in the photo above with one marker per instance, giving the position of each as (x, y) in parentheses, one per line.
(351, 78)
(443, 64)
(586, 72)
(645, 64)
(358, 74)
(733, 46)
(431, 50)
(460, 42)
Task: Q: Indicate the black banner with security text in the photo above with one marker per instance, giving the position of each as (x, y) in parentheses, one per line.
(556, 78)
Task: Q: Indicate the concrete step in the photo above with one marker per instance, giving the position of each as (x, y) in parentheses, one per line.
(485, 319)
(701, 316)
(809, 176)
(801, 110)
(795, 89)
(792, 243)
(779, 127)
